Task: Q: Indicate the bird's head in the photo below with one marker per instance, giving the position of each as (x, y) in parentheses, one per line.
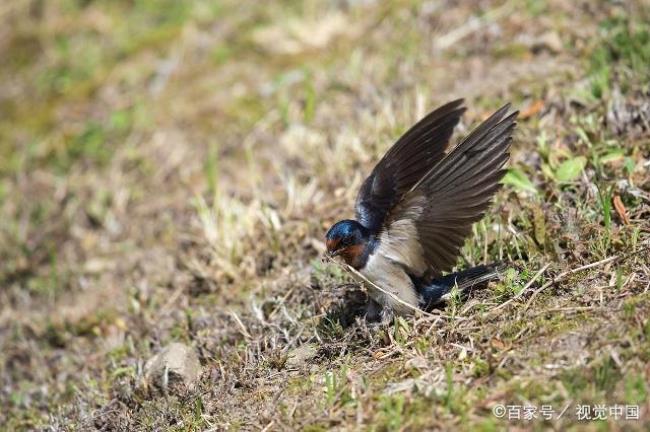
(347, 238)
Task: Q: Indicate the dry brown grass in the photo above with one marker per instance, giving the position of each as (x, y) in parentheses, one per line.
(171, 168)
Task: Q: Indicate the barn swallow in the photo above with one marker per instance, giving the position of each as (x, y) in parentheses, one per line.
(418, 205)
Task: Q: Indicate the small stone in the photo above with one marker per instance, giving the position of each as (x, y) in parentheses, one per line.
(177, 364)
(551, 41)
(299, 356)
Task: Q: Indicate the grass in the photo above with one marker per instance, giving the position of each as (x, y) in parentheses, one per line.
(168, 172)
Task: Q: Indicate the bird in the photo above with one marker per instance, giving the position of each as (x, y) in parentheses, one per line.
(417, 207)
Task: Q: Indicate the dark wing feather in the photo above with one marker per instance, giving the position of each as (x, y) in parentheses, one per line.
(456, 192)
(405, 163)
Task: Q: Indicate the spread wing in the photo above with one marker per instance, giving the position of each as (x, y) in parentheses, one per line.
(428, 226)
(405, 163)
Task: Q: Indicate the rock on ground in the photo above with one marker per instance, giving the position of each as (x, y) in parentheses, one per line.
(177, 364)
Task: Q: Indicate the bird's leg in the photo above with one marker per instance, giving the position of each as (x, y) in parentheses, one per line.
(387, 316)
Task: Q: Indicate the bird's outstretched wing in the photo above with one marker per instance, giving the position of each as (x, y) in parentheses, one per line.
(405, 163)
(425, 230)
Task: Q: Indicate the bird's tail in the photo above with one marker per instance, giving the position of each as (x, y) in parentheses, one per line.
(437, 291)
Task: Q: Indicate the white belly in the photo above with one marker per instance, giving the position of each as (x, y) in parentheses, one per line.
(390, 276)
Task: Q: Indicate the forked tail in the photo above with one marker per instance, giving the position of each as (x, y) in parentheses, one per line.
(437, 290)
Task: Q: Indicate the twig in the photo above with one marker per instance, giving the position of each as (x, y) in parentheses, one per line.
(388, 293)
(172, 299)
(561, 276)
(568, 309)
(530, 282)
(461, 346)
(241, 325)
(473, 24)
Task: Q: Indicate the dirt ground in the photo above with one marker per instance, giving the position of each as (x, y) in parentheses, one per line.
(168, 171)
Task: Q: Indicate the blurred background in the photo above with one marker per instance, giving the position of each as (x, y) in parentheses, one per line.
(168, 170)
